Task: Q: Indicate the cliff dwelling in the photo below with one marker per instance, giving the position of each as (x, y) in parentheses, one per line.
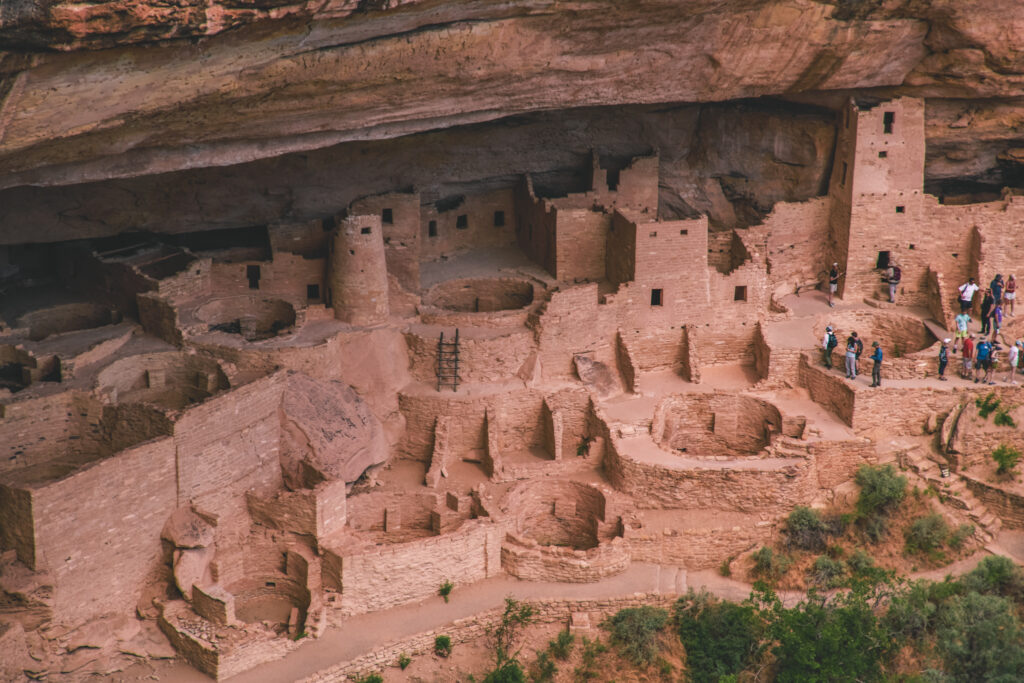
(325, 330)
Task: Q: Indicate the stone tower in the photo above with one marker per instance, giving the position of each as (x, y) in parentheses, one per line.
(358, 276)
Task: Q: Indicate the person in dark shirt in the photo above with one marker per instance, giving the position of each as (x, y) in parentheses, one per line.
(943, 359)
(997, 288)
(833, 282)
(986, 312)
(876, 369)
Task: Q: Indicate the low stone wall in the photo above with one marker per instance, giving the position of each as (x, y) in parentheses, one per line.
(1007, 505)
(526, 559)
(828, 390)
(695, 548)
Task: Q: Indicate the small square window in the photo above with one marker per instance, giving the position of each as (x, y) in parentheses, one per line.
(740, 293)
(432, 229)
(387, 217)
(365, 231)
(911, 246)
(653, 234)
(900, 209)
(656, 297)
(462, 222)
(883, 155)
(499, 219)
(312, 292)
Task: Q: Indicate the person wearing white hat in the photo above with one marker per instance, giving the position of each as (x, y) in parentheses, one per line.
(943, 359)
(827, 344)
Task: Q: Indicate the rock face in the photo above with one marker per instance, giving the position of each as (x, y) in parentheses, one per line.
(331, 433)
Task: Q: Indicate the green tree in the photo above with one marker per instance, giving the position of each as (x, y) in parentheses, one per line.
(721, 638)
(979, 639)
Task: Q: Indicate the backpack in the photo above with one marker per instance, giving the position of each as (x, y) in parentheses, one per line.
(832, 341)
(896, 275)
(858, 346)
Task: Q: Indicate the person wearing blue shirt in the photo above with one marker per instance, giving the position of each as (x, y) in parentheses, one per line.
(983, 359)
(876, 369)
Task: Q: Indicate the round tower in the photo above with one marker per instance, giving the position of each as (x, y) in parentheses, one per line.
(358, 274)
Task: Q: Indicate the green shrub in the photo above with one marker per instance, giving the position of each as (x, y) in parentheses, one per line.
(370, 678)
(509, 672)
(587, 670)
(442, 646)
(957, 538)
(997, 575)
(926, 535)
(1006, 457)
(502, 640)
(826, 572)
(725, 569)
(1004, 419)
(634, 630)
(561, 646)
(445, 590)
(721, 638)
(805, 529)
(543, 669)
(769, 565)
(881, 490)
(986, 405)
(980, 639)
(404, 661)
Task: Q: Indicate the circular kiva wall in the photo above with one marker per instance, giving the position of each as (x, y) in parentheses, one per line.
(172, 380)
(481, 295)
(270, 599)
(252, 317)
(44, 322)
(899, 334)
(561, 532)
(715, 424)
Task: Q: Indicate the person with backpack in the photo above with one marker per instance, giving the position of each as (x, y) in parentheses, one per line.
(986, 311)
(876, 369)
(943, 359)
(993, 362)
(833, 282)
(851, 358)
(982, 356)
(967, 291)
(893, 277)
(827, 344)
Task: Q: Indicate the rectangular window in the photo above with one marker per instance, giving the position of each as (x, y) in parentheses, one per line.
(613, 179)
(499, 219)
(888, 119)
(883, 260)
(883, 155)
(899, 209)
(252, 274)
(462, 222)
(740, 293)
(653, 234)
(684, 232)
(432, 229)
(842, 180)
(312, 292)
(364, 231)
(656, 297)
(387, 217)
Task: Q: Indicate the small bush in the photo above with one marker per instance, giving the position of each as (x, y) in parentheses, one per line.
(509, 672)
(445, 590)
(881, 490)
(926, 535)
(561, 646)
(1004, 419)
(997, 575)
(442, 646)
(587, 670)
(543, 669)
(805, 529)
(370, 678)
(827, 572)
(962, 533)
(725, 569)
(634, 630)
(1006, 457)
(986, 405)
(770, 565)
(404, 661)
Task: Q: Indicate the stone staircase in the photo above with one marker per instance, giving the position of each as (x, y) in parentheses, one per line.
(788, 447)
(954, 491)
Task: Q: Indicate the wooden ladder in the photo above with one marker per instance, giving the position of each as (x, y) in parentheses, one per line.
(448, 363)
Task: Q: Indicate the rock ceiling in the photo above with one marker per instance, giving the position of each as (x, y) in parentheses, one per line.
(134, 104)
